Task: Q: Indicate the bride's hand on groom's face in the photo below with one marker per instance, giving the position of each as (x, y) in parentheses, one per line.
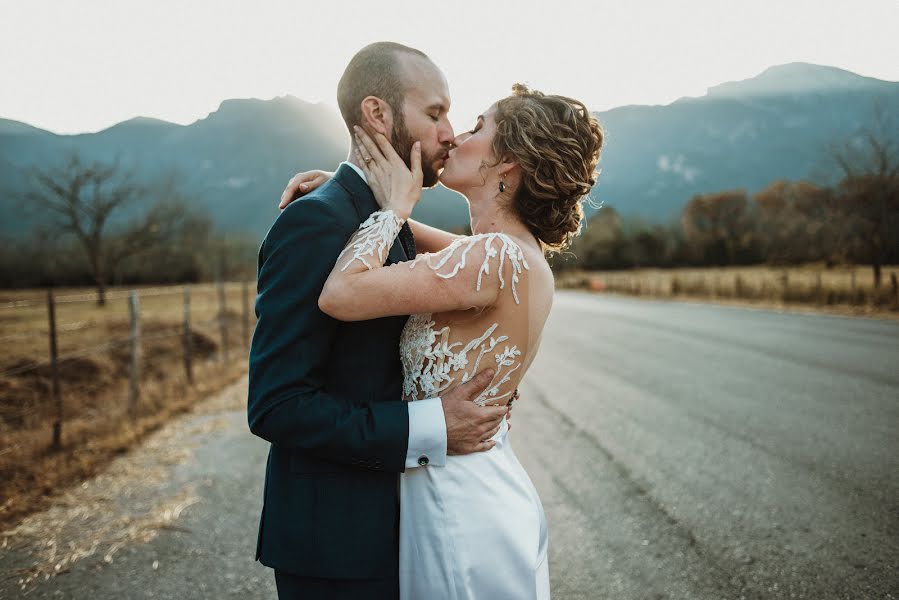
(301, 184)
(395, 186)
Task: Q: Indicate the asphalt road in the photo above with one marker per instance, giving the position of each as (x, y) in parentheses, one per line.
(681, 451)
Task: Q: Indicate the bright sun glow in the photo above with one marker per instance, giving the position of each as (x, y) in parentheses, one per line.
(82, 66)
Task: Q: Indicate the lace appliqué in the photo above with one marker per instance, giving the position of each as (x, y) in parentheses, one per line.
(430, 362)
(375, 236)
(508, 250)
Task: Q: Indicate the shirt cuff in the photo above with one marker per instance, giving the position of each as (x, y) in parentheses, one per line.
(427, 434)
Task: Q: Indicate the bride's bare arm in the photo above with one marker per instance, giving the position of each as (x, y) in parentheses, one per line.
(467, 274)
(430, 239)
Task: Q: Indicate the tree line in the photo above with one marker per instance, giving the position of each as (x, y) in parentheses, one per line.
(855, 221)
(99, 226)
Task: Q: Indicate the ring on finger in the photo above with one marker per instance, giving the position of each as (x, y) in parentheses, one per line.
(365, 159)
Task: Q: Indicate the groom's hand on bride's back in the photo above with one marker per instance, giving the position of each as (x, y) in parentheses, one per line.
(469, 427)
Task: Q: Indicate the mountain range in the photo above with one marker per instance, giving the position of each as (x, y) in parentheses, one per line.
(236, 161)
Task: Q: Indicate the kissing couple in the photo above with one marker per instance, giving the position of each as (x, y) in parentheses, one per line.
(387, 353)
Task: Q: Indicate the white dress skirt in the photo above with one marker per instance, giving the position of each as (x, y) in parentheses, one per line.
(474, 529)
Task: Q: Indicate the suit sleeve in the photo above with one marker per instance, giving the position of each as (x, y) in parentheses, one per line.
(288, 404)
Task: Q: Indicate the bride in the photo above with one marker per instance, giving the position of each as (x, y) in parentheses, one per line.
(474, 528)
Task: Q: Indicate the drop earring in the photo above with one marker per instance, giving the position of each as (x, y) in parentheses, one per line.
(502, 185)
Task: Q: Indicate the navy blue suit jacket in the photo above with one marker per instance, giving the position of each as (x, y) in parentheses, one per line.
(327, 395)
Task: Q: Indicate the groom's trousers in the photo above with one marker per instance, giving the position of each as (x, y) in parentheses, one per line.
(292, 587)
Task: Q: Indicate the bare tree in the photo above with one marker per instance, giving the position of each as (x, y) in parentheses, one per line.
(601, 242)
(868, 193)
(795, 222)
(778, 223)
(82, 199)
(817, 209)
(717, 226)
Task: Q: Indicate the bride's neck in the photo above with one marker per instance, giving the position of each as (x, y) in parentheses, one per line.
(488, 217)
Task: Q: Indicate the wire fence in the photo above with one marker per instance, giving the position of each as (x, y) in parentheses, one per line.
(171, 315)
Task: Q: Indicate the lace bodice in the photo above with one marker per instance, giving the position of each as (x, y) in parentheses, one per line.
(433, 358)
(431, 362)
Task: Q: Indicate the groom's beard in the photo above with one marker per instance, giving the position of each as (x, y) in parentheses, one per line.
(402, 143)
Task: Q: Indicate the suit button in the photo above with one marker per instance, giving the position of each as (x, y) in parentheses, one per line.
(423, 460)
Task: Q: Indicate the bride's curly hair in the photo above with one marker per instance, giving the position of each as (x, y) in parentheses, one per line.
(557, 143)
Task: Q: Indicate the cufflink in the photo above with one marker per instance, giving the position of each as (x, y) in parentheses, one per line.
(423, 460)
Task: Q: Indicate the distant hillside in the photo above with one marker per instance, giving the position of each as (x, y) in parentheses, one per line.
(740, 134)
(237, 160)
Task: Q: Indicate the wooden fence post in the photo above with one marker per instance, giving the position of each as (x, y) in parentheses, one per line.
(246, 313)
(134, 387)
(223, 323)
(188, 341)
(54, 371)
(895, 290)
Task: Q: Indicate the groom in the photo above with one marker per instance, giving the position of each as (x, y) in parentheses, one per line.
(327, 395)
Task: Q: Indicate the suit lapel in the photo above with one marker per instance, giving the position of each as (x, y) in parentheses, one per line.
(397, 253)
(365, 204)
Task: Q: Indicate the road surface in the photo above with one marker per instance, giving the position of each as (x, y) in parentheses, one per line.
(681, 450)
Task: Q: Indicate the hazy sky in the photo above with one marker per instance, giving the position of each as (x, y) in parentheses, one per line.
(78, 66)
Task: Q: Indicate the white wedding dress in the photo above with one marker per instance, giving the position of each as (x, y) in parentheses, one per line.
(474, 528)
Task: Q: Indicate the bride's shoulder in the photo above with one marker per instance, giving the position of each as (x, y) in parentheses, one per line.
(491, 245)
(486, 260)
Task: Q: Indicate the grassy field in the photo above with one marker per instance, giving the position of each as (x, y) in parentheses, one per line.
(94, 366)
(841, 290)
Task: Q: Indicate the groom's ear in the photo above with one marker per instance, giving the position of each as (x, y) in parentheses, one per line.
(377, 116)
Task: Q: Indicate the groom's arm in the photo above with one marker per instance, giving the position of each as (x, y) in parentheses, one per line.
(288, 404)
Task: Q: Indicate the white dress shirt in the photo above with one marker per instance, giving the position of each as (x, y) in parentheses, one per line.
(427, 425)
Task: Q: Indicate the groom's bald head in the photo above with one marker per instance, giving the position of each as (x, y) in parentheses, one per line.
(398, 91)
(376, 70)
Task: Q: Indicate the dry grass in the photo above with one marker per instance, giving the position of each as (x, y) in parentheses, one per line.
(130, 501)
(94, 383)
(815, 287)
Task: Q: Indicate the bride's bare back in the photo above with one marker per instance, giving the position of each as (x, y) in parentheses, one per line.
(441, 350)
